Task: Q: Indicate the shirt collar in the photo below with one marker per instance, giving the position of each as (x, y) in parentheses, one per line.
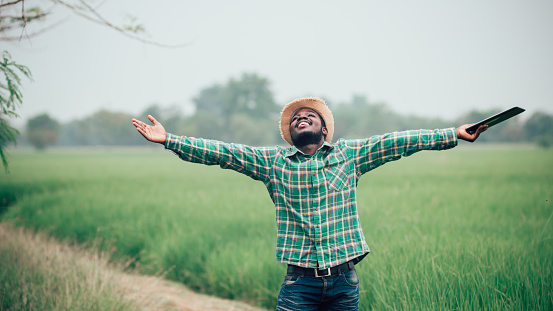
(292, 150)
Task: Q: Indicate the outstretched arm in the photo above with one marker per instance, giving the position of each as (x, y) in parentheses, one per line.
(155, 133)
(462, 132)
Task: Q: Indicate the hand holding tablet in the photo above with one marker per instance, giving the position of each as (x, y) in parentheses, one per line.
(495, 119)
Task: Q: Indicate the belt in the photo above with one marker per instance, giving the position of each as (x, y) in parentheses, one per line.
(313, 272)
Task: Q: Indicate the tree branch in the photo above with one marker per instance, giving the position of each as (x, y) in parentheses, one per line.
(99, 19)
(24, 19)
(82, 8)
(17, 17)
(34, 34)
(10, 3)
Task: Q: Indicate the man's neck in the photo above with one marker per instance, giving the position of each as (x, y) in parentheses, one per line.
(310, 148)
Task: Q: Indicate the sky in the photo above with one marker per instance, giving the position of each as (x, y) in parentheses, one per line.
(429, 58)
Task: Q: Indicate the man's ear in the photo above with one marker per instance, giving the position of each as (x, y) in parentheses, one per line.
(325, 131)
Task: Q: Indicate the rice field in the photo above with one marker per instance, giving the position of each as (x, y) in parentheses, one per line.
(464, 229)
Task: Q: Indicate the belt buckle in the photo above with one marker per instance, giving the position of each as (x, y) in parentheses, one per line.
(320, 276)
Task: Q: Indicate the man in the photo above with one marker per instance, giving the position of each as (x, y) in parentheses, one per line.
(313, 186)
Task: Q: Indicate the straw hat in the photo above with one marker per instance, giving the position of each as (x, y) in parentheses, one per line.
(314, 103)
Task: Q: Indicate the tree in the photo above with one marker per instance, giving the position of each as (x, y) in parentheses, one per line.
(539, 127)
(102, 128)
(10, 99)
(249, 96)
(211, 100)
(42, 131)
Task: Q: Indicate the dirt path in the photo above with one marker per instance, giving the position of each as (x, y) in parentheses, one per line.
(71, 266)
(159, 294)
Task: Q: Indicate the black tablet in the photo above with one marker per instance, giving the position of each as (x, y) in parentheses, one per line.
(497, 118)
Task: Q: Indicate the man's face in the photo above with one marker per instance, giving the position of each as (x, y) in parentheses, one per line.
(306, 127)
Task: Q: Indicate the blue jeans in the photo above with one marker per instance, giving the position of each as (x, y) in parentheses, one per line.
(336, 292)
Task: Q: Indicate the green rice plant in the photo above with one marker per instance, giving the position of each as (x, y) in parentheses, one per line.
(466, 229)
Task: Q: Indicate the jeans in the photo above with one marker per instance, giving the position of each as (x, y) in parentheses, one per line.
(335, 292)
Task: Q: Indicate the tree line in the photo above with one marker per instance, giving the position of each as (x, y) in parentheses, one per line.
(243, 110)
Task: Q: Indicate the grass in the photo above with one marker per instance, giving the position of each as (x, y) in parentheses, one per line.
(465, 229)
(40, 274)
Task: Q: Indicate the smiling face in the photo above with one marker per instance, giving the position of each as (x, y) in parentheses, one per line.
(307, 127)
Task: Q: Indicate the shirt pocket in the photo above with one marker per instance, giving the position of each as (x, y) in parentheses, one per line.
(337, 174)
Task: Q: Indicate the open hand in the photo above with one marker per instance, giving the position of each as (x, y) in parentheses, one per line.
(462, 132)
(155, 133)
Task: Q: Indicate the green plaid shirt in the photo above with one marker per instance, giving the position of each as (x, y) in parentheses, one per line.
(314, 196)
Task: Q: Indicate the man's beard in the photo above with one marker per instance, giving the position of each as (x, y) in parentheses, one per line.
(307, 138)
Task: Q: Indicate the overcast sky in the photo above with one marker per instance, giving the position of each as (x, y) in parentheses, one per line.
(435, 58)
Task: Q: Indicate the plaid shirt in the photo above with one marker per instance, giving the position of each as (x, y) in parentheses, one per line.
(314, 196)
